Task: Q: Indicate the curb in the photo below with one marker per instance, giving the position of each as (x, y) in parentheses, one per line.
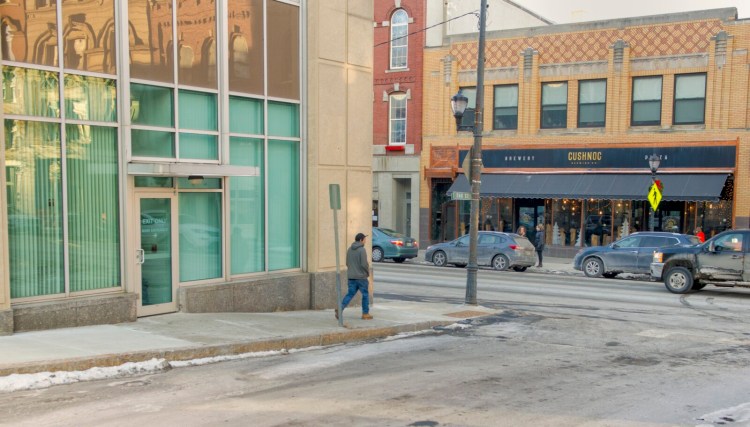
(188, 353)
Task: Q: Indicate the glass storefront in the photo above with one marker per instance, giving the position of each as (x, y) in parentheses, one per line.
(64, 98)
(590, 222)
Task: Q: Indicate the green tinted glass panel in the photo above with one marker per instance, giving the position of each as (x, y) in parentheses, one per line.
(283, 119)
(245, 115)
(151, 105)
(198, 110)
(283, 204)
(153, 182)
(156, 242)
(246, 212)
(31, 92)
(93, 207)
(198, 146)
(147, 143)
(200, 236)
(204, 183)
(34, 196)
(90, 98)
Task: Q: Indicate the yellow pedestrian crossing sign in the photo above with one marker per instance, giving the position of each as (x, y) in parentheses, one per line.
(654, 196)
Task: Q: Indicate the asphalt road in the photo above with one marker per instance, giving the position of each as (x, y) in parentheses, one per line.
(562, 351)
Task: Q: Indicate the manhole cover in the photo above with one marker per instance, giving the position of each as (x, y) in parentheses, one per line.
(467, 313)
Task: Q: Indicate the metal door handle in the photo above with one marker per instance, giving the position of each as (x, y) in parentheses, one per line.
(140, 256)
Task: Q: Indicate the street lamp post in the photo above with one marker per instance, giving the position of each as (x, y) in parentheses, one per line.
(653, 163)
(458, 104)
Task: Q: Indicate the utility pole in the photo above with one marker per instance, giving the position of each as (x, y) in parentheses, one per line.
(476, 165)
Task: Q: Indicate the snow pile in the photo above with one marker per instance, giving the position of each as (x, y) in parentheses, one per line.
(457, 326)
(16, 382)
(737, 415)
(217, 359)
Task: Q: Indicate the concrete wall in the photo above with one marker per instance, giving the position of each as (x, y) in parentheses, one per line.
(339, 125)
(386, 170)
(84, 311)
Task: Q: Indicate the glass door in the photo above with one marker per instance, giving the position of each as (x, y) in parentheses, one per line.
(155, 254)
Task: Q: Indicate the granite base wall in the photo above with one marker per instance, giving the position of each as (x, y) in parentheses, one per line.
(6, 322)
(83, 311)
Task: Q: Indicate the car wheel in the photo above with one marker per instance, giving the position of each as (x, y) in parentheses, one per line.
(439, 259)
(679, 280)
(399, 260)
(377, 254)
(609, 275)
(500, 262)
(519, 269)
(593, 267)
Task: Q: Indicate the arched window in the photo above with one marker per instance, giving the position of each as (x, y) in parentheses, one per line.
(399, 39)
(397, 119)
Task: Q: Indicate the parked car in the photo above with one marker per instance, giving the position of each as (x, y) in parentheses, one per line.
(389, 244)
(494, 248)
(719, 261)
(631, 254)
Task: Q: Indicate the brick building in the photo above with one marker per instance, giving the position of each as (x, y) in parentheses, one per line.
(397, 112)
(572, 114)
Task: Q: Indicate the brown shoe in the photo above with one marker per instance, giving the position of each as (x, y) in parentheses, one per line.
(366, 316)
(336, 313)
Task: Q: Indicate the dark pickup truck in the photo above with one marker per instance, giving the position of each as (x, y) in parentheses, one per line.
(722, 261)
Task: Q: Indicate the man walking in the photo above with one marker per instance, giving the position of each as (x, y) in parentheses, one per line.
(358, 273)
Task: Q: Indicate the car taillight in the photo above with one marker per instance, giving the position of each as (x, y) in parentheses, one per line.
(397, 242)
(416, 245)
(514, 247)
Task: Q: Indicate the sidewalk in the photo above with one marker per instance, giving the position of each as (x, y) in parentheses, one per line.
(181, 336)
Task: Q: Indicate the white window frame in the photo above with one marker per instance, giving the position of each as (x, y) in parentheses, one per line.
(402, 41)
(392, 99)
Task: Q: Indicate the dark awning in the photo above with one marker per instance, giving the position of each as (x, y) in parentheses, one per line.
(685, 187)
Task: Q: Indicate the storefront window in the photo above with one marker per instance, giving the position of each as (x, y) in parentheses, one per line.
(566, 222)
(89, 35)
(284, 205)
(93, 207)
(623, 219)
(90, 98)
(200, 235)
(35, 230)
(598, 222)
(283, 50)
(28, 40)
(196, 43)
(488, 220)
(30, 92)
(151, 45)
(246, 201)
(715, 217)
(246, 46)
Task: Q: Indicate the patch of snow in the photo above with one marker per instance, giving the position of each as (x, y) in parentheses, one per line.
(17, 382)
(408, 334)
(457, 326)
(737, 415)
(217, 359)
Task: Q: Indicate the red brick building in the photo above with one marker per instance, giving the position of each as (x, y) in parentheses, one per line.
(397, 112)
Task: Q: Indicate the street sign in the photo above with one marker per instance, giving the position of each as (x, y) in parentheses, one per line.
(460, 195)
(654, 196)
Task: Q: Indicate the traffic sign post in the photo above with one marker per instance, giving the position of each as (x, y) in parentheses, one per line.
(654, 196)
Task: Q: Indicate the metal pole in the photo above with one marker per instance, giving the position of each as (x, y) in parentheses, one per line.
(652, 220)
(476, 165)
(338, 269)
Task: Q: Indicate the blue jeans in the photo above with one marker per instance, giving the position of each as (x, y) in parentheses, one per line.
(361, 286)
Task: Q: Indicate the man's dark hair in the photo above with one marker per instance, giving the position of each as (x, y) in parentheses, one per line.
(360, 237)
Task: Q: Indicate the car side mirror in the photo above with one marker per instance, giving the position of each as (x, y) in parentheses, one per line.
(614, 246)
(712, 247)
